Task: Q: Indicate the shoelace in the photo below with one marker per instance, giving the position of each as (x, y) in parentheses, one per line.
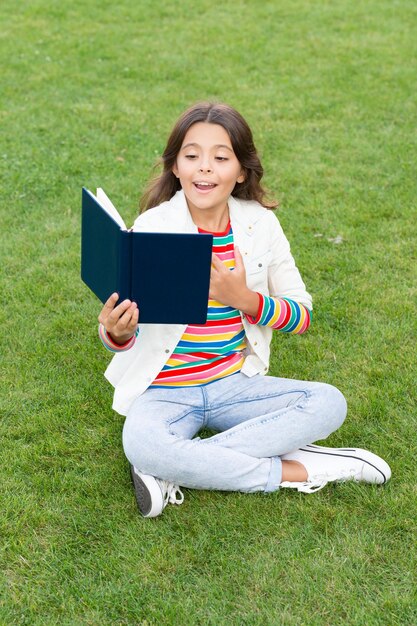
(173, 494)
(318, 482)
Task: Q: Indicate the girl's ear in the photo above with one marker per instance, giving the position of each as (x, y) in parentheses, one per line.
(175, 170)
(241, 177)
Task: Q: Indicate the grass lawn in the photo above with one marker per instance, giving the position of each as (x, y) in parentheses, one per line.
(89, 91)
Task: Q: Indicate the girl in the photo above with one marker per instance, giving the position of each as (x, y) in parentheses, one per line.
(173, 380)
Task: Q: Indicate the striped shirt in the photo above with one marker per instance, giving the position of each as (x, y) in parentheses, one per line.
(214, 350)
(207, 352)
(281, 314)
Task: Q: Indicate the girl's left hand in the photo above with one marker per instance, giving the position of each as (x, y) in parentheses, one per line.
(229, 286)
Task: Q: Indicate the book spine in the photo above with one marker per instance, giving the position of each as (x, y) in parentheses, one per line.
(125, 265)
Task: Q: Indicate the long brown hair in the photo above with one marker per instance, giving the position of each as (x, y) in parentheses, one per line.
(164, 186)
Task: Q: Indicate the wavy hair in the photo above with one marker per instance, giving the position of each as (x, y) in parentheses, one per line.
(166, 184)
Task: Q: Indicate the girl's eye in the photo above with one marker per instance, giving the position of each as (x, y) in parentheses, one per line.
(220, 158)
(190, 156)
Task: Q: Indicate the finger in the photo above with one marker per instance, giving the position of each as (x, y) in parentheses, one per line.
(110, 303)
(238, 258)
(125, 323)
(120, 309)
(216, 263)
(213, 282)
(215, 278)
(135, 317)
(113, 318)
(212, 293)
(125, 320)
(108, 307)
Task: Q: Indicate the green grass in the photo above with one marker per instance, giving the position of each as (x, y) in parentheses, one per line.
(89, 91)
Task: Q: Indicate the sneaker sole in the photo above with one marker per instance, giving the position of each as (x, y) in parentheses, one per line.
(148, 494)
(371, 459)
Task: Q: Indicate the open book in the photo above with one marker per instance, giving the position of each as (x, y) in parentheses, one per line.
(166, 274)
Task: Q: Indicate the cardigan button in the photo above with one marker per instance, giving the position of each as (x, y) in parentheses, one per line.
(259, 264)
(167, 351)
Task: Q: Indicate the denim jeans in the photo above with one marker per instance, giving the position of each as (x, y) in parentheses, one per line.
(256, 420)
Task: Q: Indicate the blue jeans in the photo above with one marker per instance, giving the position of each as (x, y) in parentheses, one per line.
(256, 419)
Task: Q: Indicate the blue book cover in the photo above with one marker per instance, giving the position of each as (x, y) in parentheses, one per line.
(166, 274)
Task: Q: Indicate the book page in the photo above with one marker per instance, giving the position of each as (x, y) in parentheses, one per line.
(109, 207)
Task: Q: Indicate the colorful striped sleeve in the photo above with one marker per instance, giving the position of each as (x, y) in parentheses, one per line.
(282, 314)
(111, 345)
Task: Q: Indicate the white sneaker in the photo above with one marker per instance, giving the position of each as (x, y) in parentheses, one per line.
(153, 494)
(325, 465)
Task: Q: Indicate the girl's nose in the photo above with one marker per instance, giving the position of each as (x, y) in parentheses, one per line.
(204, 168)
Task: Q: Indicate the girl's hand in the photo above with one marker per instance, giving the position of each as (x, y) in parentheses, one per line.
(229, 287)
(119, 321)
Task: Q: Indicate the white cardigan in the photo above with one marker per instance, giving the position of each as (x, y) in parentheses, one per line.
(270, 270)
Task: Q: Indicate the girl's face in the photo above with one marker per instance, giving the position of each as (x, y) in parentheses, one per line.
(207, 168)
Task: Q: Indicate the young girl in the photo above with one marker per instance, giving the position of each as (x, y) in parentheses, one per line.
(173, 380)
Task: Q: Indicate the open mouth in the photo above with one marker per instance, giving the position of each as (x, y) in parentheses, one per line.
(201, 186)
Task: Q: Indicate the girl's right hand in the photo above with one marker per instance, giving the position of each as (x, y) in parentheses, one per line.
(119, 321)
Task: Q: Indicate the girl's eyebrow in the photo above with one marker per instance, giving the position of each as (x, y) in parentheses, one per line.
(220, 145)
